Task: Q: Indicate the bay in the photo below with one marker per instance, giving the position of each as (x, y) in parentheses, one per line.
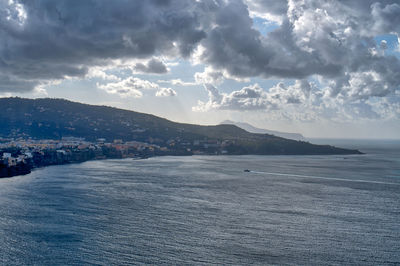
(303, 210)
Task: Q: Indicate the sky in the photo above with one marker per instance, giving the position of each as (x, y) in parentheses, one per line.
(327, 69)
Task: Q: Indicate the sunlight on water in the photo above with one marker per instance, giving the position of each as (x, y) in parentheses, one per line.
(205, 210)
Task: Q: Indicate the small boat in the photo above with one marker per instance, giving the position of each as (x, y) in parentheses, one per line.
(246, 170)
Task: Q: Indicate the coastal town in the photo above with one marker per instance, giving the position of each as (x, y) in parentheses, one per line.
(40, 132)
(20, 156)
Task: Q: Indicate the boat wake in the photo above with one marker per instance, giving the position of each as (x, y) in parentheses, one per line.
(327, 178)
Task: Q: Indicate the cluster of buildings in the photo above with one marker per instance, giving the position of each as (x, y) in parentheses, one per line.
(8, 159)
(28, 146)
(19, 156)
(30, 153)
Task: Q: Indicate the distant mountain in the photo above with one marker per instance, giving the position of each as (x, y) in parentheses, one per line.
(252, 129)
(57, 118)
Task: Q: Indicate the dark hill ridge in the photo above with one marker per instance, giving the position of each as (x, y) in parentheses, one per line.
(57, 118)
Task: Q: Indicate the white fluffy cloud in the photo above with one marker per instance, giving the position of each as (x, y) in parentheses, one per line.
(178, 82)
(209, 76)
(98, 72)
(134, 87)
(302, 101)
(213, 76)
(256, 98)
(248, 98)
(165, 92)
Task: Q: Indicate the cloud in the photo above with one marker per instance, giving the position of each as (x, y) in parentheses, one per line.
(98, 72)
(50, 40)
(332, 41)
(153, 66)
(165, 92)
(134, 87)
(130, 87)
(14, 12)
(248, 98)
(213, 76)
(301, 101)
(178, 82)
(268, 9)
(254, 97)
(209, 76)
(386, 17)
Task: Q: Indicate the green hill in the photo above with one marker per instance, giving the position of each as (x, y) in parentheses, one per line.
(57, 118)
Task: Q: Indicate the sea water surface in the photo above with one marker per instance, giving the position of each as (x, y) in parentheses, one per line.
(298, 210)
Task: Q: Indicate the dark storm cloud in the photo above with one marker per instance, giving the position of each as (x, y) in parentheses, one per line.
(331, 39)
(53, 39)
(153, 66)
(311, 40)
(45, 39)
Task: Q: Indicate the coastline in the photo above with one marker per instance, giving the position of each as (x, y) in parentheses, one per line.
(20, 157)
(26, 169)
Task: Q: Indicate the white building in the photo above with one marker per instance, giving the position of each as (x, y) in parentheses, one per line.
(6, 155)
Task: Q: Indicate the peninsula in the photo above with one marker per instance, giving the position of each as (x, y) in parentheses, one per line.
(57, 131)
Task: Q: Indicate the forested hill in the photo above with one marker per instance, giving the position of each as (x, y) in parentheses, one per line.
(57, 118)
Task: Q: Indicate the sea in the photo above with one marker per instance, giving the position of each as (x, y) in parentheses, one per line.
(207, 210)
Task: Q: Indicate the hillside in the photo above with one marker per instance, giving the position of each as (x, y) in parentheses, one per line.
(253, 129)
(57, 118)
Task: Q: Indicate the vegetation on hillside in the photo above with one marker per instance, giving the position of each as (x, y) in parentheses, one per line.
(57, 118)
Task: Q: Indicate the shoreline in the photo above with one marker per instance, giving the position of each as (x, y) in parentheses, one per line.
(26, 171)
